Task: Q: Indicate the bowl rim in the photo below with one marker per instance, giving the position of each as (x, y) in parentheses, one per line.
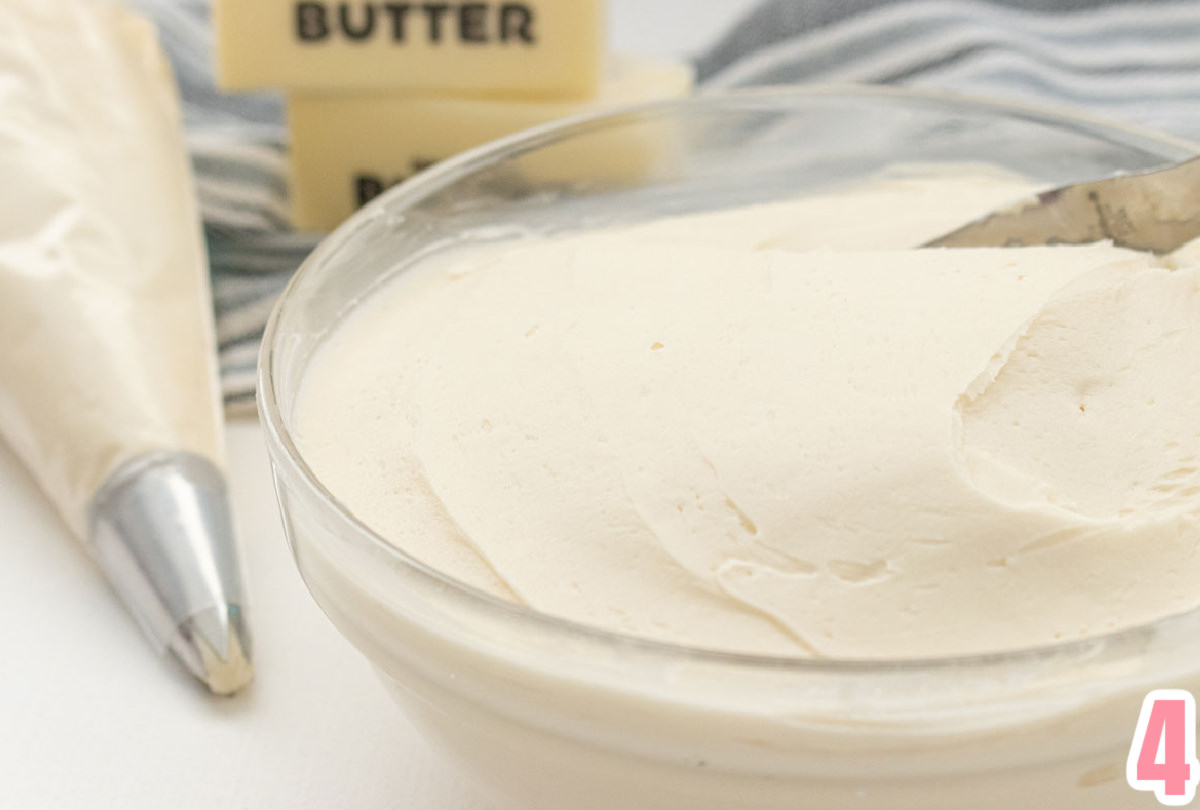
(283, 448)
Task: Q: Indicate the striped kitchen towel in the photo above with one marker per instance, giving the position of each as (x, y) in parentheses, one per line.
(1136, 60)
(238, 146)
(1133, 60)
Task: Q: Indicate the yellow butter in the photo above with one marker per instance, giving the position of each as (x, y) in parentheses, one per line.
(348, 149)
(536, 48)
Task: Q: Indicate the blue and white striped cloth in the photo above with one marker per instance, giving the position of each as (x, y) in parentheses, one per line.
(238, 146)
(1135, 60)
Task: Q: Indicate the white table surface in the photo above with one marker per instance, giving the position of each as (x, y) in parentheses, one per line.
(89, 718)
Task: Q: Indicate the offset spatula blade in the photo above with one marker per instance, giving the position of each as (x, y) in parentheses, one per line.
(1156, 211)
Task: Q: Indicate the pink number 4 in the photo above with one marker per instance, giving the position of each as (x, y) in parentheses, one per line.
(1162, 758)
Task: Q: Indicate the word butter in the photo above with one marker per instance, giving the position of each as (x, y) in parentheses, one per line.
(347, 149)
(550, 48)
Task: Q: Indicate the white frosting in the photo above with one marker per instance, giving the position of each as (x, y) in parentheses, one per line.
(106, 338)
(777, 429)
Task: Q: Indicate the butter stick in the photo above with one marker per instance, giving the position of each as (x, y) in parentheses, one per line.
(348, 149)
(532, 48)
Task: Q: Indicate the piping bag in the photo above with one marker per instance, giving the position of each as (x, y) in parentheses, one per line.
(108, 381)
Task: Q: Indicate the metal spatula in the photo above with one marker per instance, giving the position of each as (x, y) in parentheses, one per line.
(1156, 211)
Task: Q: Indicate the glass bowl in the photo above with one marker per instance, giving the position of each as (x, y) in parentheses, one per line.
(550, 715)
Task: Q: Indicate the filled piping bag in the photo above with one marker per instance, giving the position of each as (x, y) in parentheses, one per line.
(108, 379)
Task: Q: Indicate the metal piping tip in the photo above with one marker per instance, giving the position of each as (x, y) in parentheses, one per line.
(162, 532)
(214, 646)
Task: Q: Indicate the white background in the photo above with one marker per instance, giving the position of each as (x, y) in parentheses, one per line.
(89, 718)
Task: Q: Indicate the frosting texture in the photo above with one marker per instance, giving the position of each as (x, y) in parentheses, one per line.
(782, 430)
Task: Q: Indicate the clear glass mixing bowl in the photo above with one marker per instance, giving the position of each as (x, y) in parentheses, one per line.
(549, 715)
